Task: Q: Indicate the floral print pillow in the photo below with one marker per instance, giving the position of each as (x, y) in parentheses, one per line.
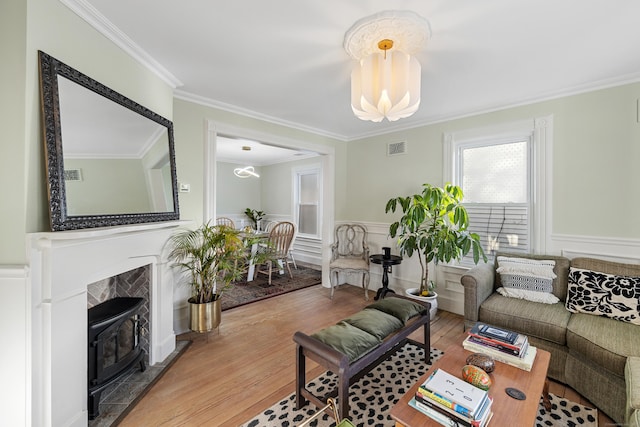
(601, 294)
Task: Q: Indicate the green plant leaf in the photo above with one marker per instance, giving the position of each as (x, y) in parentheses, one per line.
(391, 205)
(434, 224)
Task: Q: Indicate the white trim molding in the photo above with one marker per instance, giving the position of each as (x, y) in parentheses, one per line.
(327, 160)
(100, 23)
(15, 330)
(612, 249)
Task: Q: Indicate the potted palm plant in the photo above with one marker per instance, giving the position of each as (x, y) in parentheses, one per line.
(213, 256)
(434, 224)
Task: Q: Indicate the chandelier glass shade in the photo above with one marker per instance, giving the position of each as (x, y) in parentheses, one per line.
(385, 84)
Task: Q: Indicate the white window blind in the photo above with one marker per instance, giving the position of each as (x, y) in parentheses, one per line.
(496, 180)
(308, 202)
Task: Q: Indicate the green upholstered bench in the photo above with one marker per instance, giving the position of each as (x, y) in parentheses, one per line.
(355, 345)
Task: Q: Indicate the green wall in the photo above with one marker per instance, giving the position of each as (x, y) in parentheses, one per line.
(595, 148)
(233, 194)
(13, 39)
(121, 183)
(277, 185)
(189, 129)
(595, 152)
(27, 26)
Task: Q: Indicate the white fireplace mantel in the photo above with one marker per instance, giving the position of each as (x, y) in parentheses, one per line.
(61, 265)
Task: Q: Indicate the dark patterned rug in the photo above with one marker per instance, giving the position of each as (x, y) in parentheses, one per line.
(373, 396)
(242, 293)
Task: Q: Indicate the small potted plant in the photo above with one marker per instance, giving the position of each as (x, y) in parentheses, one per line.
(435, 225)
(255, 216)
(213, 256)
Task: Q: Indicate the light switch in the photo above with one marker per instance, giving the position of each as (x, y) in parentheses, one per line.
(185, 188)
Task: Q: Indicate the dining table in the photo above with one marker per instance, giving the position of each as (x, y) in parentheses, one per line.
(257, 237)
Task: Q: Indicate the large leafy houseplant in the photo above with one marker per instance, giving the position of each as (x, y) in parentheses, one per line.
(214, 256)
(434, 224)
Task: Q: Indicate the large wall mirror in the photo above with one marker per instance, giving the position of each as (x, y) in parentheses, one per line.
(110, 161)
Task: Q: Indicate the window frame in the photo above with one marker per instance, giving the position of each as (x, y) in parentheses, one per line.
(474, 207)
(297, 172)
(539, 132)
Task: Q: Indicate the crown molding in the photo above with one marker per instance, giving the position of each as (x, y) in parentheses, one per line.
(99, 22)
(549, 96)
(208, 102)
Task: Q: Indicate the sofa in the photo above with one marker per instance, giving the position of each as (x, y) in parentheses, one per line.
(596, 351)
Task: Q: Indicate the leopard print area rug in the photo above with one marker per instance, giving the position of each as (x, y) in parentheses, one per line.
(375, 394)
(371, 398)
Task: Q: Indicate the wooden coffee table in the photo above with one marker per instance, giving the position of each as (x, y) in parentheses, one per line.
(507, 411)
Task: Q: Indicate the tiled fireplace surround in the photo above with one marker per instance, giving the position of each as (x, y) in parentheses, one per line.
(132, 283)
(62, 267)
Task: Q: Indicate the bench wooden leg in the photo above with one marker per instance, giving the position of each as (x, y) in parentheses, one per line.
(300, 377)
(343, 394)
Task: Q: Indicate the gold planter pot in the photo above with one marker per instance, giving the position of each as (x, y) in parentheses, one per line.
(204, 317)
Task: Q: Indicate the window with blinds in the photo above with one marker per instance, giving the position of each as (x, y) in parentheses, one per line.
(503, 170)
(307, 200)
(495, 178)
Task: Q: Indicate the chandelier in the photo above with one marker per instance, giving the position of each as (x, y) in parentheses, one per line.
(246, 172)
(385, 81)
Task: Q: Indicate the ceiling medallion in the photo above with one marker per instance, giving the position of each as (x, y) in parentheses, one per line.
(386, 80)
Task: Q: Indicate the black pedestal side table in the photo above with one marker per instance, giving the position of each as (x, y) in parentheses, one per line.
(386, 263)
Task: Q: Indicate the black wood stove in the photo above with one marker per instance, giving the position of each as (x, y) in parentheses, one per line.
(114, 345)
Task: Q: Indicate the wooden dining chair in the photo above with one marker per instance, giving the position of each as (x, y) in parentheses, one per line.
(223, 220)
(277, 245)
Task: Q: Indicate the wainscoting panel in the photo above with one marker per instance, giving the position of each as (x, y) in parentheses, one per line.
(15, 332)
(447, 277)
(612, 249)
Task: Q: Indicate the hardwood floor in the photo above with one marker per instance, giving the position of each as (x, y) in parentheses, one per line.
(225, 378)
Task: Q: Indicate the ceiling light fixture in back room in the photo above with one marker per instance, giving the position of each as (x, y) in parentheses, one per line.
(385, 82)
(245, 172)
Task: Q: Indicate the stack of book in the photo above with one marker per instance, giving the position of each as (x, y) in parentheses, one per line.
(503, 345)
(451, 401)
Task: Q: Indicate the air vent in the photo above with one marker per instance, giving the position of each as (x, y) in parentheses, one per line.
(73, 174)
(396, 148)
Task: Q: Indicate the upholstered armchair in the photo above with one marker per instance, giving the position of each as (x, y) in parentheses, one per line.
(349, 255)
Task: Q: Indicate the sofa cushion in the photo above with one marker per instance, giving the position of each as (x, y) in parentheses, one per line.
(561, 271)
(602, 294)
(402, 309)
(348, 340)
(377, 323)
(632, 379)
(605, 342)
(544, 321)
(527, 274)
(534, 296)
(525, 278)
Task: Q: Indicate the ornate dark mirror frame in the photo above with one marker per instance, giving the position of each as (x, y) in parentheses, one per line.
(50, 69)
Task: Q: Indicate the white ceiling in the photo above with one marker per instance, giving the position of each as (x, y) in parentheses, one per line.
(232, 150)
(283, 60)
